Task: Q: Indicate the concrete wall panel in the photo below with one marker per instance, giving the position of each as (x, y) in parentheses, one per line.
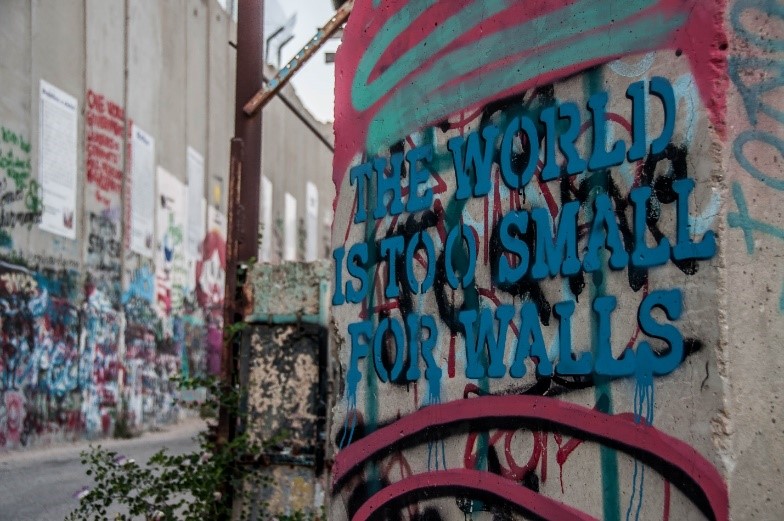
(290, 162)
(491, 373)
(173, 92)
(754, 271)
(145, 64)
(220, 100)
(15, 64)
(58, 57)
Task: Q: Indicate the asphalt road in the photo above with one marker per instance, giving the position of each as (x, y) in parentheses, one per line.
(42, 485)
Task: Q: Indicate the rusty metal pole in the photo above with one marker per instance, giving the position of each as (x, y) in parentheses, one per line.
(243, 211)
(250, 63)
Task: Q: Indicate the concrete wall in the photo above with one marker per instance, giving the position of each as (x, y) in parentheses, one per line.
(578, 314)
(293, 155)
(754, 274)
(87, 322)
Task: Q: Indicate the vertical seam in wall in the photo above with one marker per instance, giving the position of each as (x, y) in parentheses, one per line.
(721, 423)
(34, 123)
(124, 203)
(81, 235)
(208, 77)
(185, 112)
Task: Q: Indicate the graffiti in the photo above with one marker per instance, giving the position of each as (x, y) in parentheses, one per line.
(13, 418)
(153, 356)
(100, 377)
(141, 286)
(172, 275)
(210, 287)
(103, 251)
(105, 121)
(76, 343)
(545, 257)
(16, 159)
(211, 271)
(62, 374)
(13, 219)
(756, 70)
(695, 475)
(443, 57)
(142, 331)
(741, 219)
(152, 395)
(150, 365)
(103, 248)
(40, 362)
(174, 271)
(20, 195)
(532, 236)
(105, 128)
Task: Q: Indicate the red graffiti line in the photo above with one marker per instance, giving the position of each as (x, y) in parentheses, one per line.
(538, 453)
(564, 451)
(445, 483)
(680, 463)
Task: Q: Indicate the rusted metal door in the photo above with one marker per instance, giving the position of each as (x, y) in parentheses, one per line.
(284, 371)
(287, 391)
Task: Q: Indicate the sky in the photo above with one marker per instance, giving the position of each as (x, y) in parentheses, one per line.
(315, 82)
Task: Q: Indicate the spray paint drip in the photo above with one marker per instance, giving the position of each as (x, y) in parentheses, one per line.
(643, 413)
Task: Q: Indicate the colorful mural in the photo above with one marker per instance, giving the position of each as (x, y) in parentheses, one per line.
(78, 347)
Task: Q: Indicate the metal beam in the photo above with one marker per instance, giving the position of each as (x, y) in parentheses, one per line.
(243, 210)
(263, 95)
(304, 119)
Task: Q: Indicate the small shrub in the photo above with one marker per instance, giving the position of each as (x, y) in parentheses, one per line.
(169, 487)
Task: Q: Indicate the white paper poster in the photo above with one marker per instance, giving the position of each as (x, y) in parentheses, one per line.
(59, 113)
(196, 203)
(265, 216)
(171, 266)
(142, 192)
(311, 222)
(290, 228)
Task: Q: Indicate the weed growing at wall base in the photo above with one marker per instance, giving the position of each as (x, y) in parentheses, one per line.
(184, 487)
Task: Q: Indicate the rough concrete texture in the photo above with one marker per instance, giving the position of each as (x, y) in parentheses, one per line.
(590, 335)
(290, 288)
(754, 275)
(293, 493)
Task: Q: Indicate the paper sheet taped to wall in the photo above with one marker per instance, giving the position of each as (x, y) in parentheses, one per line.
(142, 192)
(58, 155)
(196, 202)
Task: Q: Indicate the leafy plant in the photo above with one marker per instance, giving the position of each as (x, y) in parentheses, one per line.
(185, 487)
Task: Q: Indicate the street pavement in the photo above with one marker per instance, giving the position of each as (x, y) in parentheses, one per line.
(43, 484)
